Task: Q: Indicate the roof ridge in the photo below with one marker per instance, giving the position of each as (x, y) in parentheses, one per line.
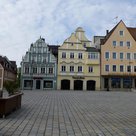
(111, 31)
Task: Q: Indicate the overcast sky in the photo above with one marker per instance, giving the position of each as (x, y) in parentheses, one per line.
(22, 22)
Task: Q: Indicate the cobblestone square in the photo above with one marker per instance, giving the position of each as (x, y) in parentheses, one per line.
(73, 113)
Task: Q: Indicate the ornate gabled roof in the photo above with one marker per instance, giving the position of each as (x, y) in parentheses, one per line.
(79, 29)
(38, 42)
(80, 34)
(72, 39)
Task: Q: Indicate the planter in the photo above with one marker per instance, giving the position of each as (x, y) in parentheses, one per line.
(10, 104)
(1, 93)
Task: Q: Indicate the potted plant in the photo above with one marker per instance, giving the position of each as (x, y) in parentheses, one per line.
(13, 101)
(11, 87)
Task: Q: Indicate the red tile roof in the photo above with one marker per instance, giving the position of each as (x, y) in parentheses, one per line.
(132, 32)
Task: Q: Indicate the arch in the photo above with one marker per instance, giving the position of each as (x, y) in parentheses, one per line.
(78, 85)
(65, 84)
(91, 85)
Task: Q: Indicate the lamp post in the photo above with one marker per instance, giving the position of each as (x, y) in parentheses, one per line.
(31, 74)
(130, 62)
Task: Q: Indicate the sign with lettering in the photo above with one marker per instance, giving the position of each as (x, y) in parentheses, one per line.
(78, 77)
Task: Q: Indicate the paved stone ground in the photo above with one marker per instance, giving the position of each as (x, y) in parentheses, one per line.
(73, 113)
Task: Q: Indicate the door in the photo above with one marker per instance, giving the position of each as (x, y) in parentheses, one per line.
(38, 84)
(91, 85)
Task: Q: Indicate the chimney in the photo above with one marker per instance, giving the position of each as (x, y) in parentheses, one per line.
(107, 31)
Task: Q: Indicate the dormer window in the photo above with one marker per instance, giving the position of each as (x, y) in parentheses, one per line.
(121, 33)
(84, 44)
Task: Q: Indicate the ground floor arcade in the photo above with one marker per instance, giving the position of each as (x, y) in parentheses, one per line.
(113, 83)
(38, 84)
(78, 83)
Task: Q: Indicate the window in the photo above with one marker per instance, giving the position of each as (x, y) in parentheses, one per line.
(135, 56)
(107, 55)
(121, 68)
(79, 68)
(42, 70)
(115, 82)
(71, 55)
(92, 55)
(121, 43)
(121, 55)
(72, 44)
(50, 70)
(44, 60)
(121, 33)
(44, 49)
(134, 68)
(128, 56)
(26, 70)
(114, 55)
(90, 69)
(39, 50)
(28, 83)
(63, 68)
(48, 84)
(107, 68)
(71, 68)
(34, 49)
(80, 55)
(127, 82)
(63, 54)
(128, 68)
(114, 68)
(39, 58)
(84, 45)
(128, 43)
(114, 43)
(35, 70)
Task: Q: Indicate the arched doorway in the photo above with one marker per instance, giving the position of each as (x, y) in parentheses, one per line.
(78, 85)
(91, 85)
(65, 84)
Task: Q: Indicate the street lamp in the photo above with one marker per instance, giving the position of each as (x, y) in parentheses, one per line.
(130, 62)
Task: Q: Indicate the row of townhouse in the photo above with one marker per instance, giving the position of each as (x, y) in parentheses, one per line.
(108, 62)
(8, 71)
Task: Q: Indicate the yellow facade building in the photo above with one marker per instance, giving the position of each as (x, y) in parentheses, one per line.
(118, 58)
(78, 64)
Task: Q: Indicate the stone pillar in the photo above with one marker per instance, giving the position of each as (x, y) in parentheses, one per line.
(71, 84)
(121, 83)
(84, 85)
(34, 85)
(41, 86)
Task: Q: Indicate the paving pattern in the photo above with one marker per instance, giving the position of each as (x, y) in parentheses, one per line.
(73, 113)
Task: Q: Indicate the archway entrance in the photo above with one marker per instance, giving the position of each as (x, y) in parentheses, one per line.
(91, 85)
(78, 85)
(65, 84)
